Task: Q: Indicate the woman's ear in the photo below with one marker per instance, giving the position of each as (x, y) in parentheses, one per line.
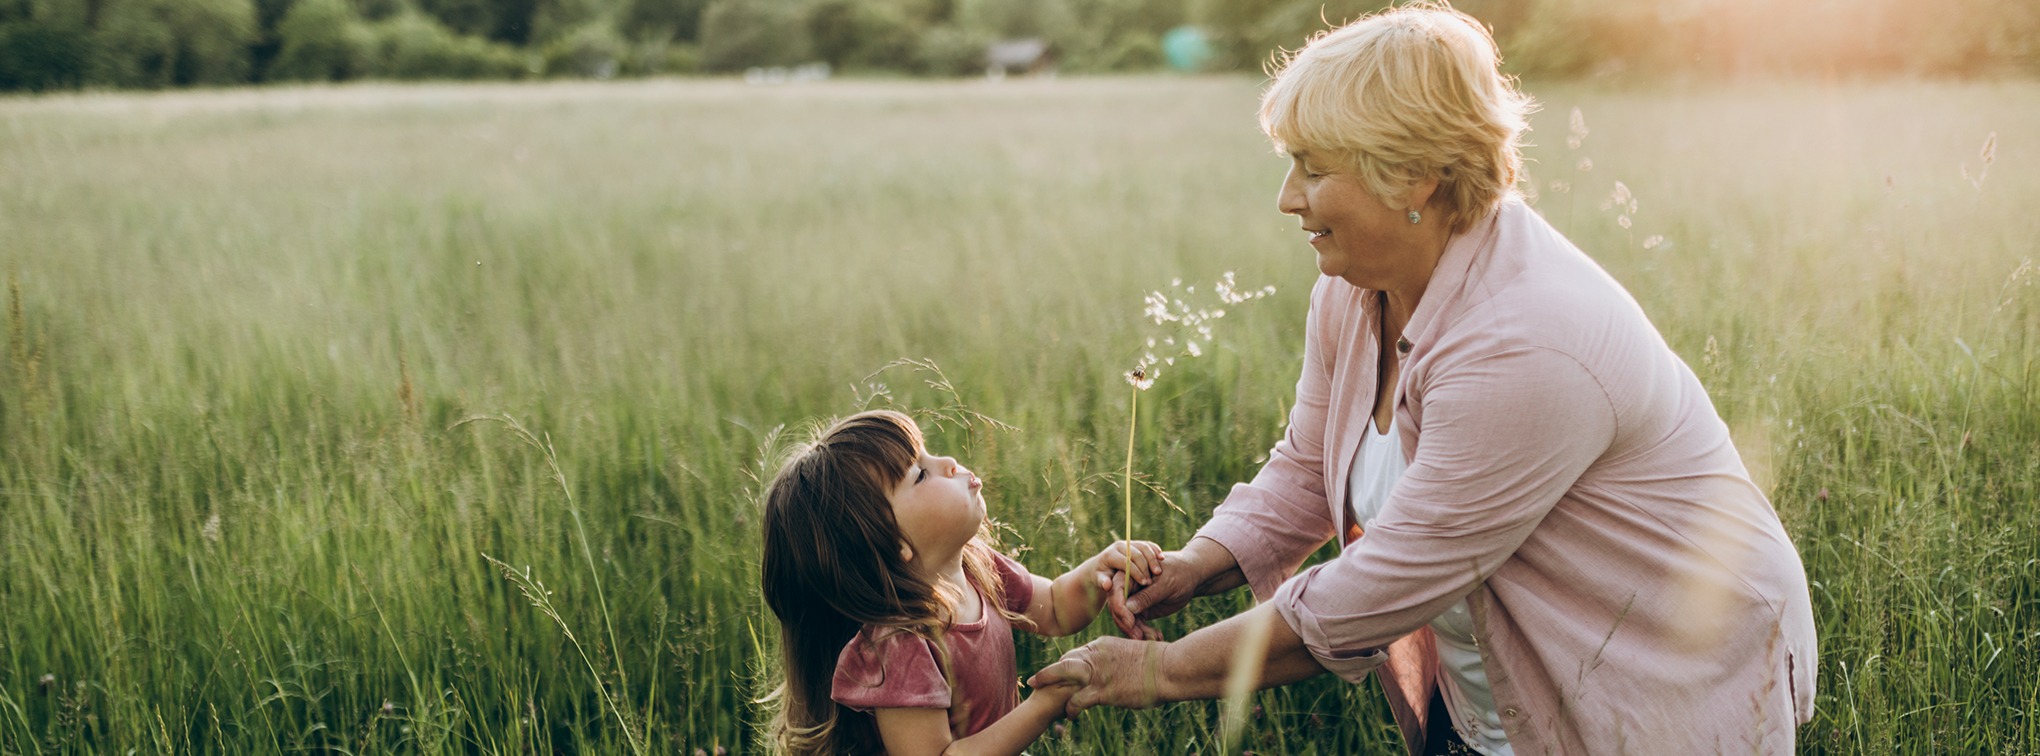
(1420, 195)
(906, 552)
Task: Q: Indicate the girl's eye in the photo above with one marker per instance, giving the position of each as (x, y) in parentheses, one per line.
(921, 476)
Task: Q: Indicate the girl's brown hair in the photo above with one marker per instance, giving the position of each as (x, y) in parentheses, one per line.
(832, 565)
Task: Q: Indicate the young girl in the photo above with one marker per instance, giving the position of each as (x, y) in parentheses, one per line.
(895, 612)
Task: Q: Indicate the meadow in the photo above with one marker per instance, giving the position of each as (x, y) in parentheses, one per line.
(246, 504)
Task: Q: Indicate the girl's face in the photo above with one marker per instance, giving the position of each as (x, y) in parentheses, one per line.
(938, 507)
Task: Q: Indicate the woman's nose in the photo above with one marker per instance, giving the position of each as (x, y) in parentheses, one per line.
(1289, 198)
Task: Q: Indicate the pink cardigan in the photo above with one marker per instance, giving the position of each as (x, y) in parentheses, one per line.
(1631, 589)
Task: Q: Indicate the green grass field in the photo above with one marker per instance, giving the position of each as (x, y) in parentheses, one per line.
(239, 511)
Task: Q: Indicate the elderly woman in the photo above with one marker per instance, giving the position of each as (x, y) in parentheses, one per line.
(1550, 542)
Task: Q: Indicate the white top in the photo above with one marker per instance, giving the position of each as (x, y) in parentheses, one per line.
(1462, 677)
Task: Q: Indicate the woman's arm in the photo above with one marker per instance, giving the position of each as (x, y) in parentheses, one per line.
(1069, 603)
(1137, 674)
(910, 732)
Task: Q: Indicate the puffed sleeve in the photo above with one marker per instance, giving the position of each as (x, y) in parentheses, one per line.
(1016, 581)
(889, 669)
(1274, 522)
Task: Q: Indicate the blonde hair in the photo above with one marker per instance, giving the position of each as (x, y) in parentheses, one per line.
(1401, 96)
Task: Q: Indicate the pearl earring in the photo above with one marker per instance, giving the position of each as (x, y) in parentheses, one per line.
(1415, 217)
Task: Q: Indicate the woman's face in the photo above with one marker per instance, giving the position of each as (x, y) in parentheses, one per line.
(1357, 236)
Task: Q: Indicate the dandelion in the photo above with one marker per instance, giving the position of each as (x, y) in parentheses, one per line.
(1585, 165)
(1188, 327)
(1576, 129)
(1652, 241)
(1560, 187)
(1623, 221)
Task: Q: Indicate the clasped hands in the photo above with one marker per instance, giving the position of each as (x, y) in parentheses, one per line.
(1127, 672)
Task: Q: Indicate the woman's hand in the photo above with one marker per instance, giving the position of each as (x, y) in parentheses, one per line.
(1201, 568)
(1111, 671)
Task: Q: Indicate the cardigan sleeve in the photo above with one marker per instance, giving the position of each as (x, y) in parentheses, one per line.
(1504, 436)
(1274, 522)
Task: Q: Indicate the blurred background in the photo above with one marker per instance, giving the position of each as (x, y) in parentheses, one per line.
(59, 44)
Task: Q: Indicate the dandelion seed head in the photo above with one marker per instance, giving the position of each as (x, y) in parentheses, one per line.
(1652, 241)
(1142, 378)
(1622, 220)
(1560, 187)
(1586, 164)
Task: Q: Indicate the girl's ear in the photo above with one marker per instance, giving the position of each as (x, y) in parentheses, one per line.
(906, 552)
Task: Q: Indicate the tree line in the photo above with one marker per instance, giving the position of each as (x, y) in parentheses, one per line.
(63, 44)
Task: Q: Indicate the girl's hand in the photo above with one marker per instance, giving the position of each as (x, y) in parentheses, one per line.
(1141, 561)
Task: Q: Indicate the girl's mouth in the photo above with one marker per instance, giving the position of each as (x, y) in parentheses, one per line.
(1316, 235)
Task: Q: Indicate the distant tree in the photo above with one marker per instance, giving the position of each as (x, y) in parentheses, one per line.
(159, 43)
(851, 34)
(40, 56)
(415, 46)
(474, 18)
(666, 20)
(322, 40)
(949, 50)
(738, 34)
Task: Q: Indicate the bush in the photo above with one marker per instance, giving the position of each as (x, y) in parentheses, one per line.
(593, 51)
(661, 20)
(39, 57)
(411, 46)
(849, 34)
(322, 41)
(159, 43)
(951, 51)
(739, 34)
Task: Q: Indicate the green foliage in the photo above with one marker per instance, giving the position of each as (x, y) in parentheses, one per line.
(739, 34)
(593, 51)
(666, 20)
(861, 35)
(321, 41)
(951, 51)
(413, 46)
(39, 56)
(160, 43)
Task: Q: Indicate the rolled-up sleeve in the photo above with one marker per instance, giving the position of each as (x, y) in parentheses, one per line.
(1274, 522)
(1503, 437)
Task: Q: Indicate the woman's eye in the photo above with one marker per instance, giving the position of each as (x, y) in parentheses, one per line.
(921, 476)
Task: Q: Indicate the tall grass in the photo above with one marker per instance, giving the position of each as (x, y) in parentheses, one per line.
(239, 511)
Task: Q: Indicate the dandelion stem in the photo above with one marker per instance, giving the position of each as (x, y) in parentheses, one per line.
(1126, 486)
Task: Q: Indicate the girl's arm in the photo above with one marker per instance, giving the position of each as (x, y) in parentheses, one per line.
(912, 732)
(1067, 605)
